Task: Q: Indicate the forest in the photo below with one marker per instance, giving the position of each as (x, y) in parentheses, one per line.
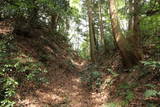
(79, 53)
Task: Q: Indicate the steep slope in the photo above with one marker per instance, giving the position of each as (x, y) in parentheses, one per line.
(72, 81)
(63, 86)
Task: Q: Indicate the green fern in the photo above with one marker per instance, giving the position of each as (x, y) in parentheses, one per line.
(113, 73)
(150, 93)
(129, 95)
(151, 63)
(150, 85)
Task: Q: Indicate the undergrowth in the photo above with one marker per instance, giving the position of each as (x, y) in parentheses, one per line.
(126, 90)
(13, 72)
(92, 78)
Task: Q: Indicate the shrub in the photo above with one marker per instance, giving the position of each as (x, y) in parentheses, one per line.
(92, 78)
(13, 72)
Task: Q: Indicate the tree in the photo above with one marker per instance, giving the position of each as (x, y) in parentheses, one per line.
(134, 27)
(54, 22)
(126, 49)
(101, 27)
(91, 31)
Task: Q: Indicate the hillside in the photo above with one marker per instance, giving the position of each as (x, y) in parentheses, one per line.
(72, 81)
(79, 53)
(63, 85)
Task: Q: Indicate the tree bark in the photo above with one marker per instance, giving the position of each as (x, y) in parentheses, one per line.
(134, 28)
(91, 32)
(103, 39)
(126, 50)
(131, 10)
(54, 21)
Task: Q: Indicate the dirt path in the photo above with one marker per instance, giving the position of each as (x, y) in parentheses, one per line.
(65, 90)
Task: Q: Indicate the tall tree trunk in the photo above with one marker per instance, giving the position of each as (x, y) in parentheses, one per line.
(94, 35)
(103, 39)
(91, 32)
(130, 23)
(126, 50)
(134, 28)
(54, 21)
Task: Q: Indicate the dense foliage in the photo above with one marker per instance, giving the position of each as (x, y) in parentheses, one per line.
(13, 72)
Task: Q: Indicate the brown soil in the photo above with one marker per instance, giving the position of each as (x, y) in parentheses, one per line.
(64, 90)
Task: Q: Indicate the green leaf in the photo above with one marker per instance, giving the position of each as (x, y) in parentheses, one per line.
(150, 85)
(151, 63)
(129, 95)
(113, 73)
(1, 73)
(150, 93)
